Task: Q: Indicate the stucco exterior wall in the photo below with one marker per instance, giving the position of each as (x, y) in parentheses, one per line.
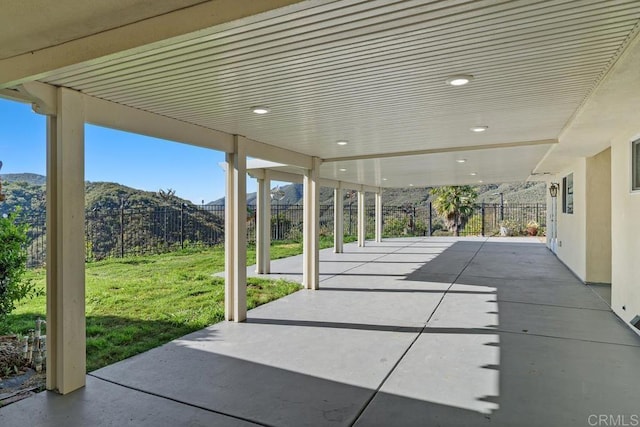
(572, 227)
(598, 208)
(625, 227)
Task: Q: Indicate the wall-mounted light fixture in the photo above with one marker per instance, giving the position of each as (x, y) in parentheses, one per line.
(553, 189)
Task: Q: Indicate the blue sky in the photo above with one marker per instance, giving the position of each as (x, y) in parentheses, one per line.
(133, 160)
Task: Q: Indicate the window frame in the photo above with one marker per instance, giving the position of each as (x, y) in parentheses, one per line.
(567, 194)
(635, 165)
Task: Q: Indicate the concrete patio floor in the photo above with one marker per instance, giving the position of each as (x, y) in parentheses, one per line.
(407, 332)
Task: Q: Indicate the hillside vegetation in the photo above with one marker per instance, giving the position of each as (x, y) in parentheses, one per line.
(28, 191)
(122, 221)
(525, 192)
(117, 217)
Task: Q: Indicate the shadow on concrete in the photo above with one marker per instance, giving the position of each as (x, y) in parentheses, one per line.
(512, 339)
(541, 383)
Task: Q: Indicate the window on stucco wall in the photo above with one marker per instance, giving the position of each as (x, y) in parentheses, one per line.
(567, 194)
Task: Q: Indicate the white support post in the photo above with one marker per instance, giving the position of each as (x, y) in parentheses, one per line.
(263, 225)
(235, 291)
(362, 224)
(311, 244)
(378, 216)
(66, 330)
(338, 220)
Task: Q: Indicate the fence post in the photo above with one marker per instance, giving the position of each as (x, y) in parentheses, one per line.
(277, 220)
(413, 223)
(482, 213)
(430, 221)
(121, 230)
(181, 225)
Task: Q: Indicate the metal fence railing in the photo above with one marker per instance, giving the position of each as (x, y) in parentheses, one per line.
(138, 231)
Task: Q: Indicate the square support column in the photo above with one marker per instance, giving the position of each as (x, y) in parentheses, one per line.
(263, 225)
(66, 323)
(338, 221)
(235, 235)
(379, 216)
(362, 220)
(311, 233)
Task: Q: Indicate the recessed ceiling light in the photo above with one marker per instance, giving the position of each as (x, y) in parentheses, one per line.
(473, 173)
(410, 185)
(384, 179)
(459, 80)
(260, 110)
(461, 160)
(480, 181)
(342, 142)
(479, 128)
(342, 170)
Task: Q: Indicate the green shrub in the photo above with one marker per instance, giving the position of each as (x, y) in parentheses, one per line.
(394, 227)
(13, 264)
(474, 225)
(512, 228)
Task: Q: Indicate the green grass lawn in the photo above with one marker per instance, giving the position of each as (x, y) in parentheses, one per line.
(138, 303)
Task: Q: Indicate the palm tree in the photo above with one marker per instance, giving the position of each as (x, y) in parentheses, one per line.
(455, 205)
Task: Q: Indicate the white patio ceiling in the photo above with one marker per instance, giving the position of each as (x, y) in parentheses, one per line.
(373, 73)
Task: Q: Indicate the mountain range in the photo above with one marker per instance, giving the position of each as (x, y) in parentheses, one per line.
(526, 192)
(27, 190)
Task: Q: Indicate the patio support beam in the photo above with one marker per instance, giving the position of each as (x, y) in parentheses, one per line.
(276, 175)
(263, 225)
(235, 238)
(338, 220)
(362, 224)
(116, 116)
(269, 152)
(311, 225)
(442, 150)
(66, 330)
(379, 216)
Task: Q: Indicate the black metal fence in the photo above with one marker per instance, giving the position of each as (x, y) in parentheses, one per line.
(139, 231)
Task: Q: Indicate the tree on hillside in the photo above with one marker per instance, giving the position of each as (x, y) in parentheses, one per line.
(13, 264)
(455, 205)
